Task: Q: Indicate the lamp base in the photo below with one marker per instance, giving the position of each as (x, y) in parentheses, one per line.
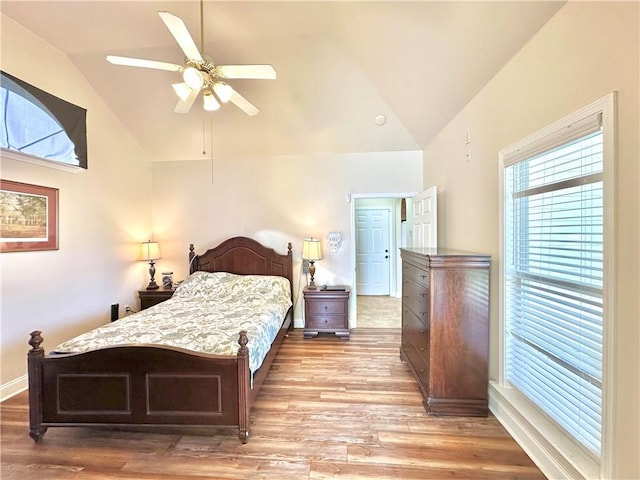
(312, 272)
(152, 272)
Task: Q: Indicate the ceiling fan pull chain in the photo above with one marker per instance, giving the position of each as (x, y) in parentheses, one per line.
(204, 149)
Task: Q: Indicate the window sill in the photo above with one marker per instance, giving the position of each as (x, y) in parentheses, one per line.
(23, 157)
(547, 445)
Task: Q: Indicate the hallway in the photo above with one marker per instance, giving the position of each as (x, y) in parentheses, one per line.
(379, 311)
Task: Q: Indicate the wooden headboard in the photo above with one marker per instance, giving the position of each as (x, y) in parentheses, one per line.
(243, 256)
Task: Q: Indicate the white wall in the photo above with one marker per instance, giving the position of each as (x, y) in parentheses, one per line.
(586, 51)
(103, 213)
(274, 200)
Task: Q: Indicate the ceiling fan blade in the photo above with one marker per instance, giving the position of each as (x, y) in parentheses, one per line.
(179, 31)
(243, 104)
(183, 106)
(139, 62)
(257, 72)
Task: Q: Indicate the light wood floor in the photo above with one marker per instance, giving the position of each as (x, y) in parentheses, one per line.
(329, 408)
(379, 311)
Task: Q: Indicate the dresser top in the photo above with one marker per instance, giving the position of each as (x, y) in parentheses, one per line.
(444, 258)
(442, 252)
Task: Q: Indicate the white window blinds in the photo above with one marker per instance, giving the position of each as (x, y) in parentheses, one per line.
(553, 283)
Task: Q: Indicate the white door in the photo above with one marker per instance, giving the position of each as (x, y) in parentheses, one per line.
(425, 218)
(372, 251)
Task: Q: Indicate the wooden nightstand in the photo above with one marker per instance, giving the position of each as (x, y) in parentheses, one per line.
(326, 311)
(148, 298)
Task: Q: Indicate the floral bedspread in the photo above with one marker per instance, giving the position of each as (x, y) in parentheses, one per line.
(205, 314)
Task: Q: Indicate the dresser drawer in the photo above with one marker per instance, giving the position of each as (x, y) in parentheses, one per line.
(419, 361)
(411, 320)
(416, 297)
(418, 275)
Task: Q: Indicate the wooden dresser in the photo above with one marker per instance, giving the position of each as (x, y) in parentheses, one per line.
(445, 328)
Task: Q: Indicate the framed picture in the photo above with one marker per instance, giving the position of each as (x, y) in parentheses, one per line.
(28, 217)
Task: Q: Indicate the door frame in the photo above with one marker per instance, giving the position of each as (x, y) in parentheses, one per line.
(351, 198)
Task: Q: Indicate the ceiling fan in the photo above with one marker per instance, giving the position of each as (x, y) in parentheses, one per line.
(200, 73)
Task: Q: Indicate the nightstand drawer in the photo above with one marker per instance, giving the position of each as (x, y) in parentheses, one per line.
(149, 298)
(326, 306)
(326, 321)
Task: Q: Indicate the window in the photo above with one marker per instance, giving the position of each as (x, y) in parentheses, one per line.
(554, 275)
(37, 124)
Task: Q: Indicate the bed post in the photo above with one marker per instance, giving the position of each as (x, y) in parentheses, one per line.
(243, 387)
(35, 355)
(289, 275)
(192, 260)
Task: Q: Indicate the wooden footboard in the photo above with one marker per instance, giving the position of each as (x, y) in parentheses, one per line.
(138, 386)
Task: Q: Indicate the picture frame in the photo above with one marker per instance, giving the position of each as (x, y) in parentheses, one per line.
(28, 217)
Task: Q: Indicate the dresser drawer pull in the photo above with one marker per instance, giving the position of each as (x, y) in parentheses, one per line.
(422, 331)
(422, 349)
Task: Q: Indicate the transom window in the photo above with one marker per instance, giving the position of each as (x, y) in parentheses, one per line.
(38, 124)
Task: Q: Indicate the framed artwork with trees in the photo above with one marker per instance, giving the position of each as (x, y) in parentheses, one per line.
(28, 217)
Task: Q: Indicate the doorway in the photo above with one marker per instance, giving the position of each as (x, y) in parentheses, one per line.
(374, 218)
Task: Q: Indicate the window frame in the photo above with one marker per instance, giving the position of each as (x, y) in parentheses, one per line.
(542, 439)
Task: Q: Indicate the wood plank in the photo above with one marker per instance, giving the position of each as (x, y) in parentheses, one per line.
(329, 408)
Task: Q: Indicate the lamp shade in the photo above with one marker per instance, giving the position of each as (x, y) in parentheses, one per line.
(311, 249)
(149, 250)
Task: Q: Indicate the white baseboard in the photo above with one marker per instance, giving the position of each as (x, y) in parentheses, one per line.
(14, 387)
(549, 448)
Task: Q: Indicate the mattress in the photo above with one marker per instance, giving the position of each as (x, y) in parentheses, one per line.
(204, 315)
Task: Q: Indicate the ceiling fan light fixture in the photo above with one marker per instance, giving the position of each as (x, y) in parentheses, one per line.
(209, 101)
(200, 74)
(223, 91)
(193, 78)
(182, 90)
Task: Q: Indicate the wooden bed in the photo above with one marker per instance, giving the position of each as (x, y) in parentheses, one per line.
(150, 385)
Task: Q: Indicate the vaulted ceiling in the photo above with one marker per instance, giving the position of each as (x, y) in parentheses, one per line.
(339, 65)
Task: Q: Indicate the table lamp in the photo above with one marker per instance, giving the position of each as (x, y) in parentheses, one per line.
(311, 251)
(150, 252)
